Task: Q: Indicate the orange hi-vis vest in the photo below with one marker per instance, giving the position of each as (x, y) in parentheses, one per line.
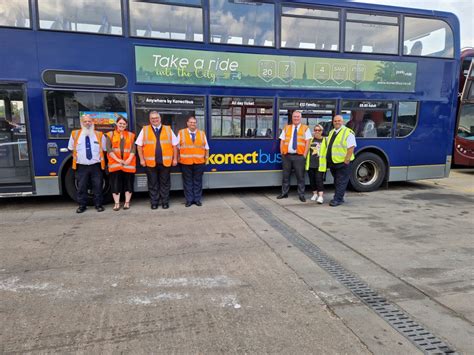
(75, 136)
(114, 165)
(149, 145)
(192, 153)
(301, 142)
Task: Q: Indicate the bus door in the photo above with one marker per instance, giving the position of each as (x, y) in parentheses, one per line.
(15, 167)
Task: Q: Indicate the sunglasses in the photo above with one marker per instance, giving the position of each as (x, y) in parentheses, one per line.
(318, 130)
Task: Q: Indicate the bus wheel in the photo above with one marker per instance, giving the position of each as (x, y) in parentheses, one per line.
(71, 188)
(367, 172)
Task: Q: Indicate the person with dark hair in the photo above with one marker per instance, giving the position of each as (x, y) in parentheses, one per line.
(316, 178)
(193, 156)
(122, 162)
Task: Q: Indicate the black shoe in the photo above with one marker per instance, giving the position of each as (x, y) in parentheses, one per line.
(198, 203)
(280, 196)
(166, 206)
(81, 209)
(302, 199)
(188, 204)
(154, 206)
(100, 208)
(334, 203)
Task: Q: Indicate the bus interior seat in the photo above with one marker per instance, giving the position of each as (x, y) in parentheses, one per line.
(417, 48)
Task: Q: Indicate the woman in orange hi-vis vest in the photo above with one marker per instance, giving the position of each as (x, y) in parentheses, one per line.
(122, 162)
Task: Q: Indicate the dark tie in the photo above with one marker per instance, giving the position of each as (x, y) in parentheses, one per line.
(88, 148)
(295, 138)
(193, 136)
(157, 131)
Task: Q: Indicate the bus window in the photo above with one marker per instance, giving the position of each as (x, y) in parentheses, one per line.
(15, 13)
(313, 112)
(249, 23)
(370, 33)
(466, 122)
(173, 109)
(427, 37)
(242, 117)
(369, 119)
(161, 20)
(309, 28)
(65, 108)
(407, 118)
(92, 16)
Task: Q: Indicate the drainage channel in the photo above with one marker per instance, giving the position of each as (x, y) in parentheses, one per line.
(401, 321)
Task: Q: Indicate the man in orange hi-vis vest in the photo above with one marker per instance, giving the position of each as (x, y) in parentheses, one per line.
(193, 156)
(156, 147)
(87, 146)
(294, 145)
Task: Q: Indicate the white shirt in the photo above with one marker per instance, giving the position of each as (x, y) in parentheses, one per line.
(351, 140)
(307, 136)
(205, 138)
(139, 141)
(81, 149)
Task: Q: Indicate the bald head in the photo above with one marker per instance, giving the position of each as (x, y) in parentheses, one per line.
(337, 121)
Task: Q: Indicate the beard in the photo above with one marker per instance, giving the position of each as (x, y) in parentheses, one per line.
(88, 131)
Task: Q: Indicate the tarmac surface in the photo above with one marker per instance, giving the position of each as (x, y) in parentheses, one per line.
(232, 276)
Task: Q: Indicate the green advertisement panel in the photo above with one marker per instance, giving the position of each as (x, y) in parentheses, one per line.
(193, 67)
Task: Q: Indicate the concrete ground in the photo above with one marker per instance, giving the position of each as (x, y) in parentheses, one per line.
(223, 278)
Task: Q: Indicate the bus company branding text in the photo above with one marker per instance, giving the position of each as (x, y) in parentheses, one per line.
(200, 68)
(256, 157)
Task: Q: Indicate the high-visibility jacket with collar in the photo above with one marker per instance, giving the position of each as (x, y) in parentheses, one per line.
(192, 152)
(129, 140)
(301, 141)
(75, 136)
(149, 145)
(339, 148)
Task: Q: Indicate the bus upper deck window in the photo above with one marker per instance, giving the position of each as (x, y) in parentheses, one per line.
(104, 17)
(249, 23)
(15, 13)
(300, 24)
(183, 22)
(427, 38)
(371, 33)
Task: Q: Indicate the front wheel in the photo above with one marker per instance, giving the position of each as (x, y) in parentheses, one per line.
(70, 186)
(367, 172)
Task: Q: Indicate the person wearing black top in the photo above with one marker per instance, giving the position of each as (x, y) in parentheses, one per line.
(316, 178)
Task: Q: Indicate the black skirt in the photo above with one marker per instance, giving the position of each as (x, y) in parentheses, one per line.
(121, 181)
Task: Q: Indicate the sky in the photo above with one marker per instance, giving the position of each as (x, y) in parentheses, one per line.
(463, 9)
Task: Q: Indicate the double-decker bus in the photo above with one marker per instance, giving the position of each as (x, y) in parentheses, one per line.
(463, 154)
(241, 68)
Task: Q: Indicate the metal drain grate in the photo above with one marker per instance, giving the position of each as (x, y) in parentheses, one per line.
(398, 319)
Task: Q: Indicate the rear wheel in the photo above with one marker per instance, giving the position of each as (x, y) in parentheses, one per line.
(368, 172)
(70, 186)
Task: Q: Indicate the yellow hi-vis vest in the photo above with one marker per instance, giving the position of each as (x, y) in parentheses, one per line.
(339, 148)
(75, 136)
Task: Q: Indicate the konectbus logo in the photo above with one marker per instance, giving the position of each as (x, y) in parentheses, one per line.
(256, 157)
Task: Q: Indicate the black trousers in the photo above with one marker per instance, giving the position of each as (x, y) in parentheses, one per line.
(340, 172)
(159, 184)
(192, 181)
(316, 179)
(296, 162)
(85, 175)
(121, 181)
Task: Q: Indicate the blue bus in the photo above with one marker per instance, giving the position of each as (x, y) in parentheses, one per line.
(241, 68)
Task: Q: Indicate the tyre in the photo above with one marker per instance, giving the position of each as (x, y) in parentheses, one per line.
(71, 188)
(367, 172)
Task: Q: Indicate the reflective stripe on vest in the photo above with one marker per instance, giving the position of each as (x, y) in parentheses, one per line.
(75, 136)
(339, 148)
(149, 145)
(192, 152)
(129, 141)
(301, 142)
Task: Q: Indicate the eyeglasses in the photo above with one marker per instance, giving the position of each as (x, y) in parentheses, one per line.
(318, 130)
